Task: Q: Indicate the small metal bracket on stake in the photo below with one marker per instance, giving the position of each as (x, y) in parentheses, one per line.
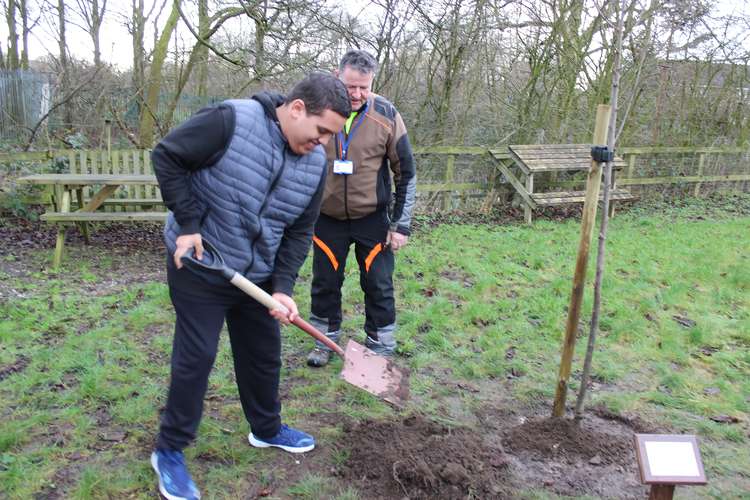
(602, 154)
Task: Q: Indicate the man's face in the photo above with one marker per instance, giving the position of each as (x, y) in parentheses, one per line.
(358, 85)
(307, 130)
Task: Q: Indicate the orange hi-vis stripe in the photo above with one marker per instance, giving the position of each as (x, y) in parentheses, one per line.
(327, 251)
(371, 256)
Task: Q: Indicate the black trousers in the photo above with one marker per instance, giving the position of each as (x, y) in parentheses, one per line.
(332, 240)
(201, 310)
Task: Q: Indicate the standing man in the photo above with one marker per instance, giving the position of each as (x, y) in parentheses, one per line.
(247, 175)
(357, 209)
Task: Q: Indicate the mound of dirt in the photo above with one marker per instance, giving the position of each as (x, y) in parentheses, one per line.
(416, 458)
(595, 457)
(564, 439)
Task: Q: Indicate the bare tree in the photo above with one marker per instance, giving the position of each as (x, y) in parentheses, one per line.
(25, 29)
(454, 32)
(151, 101)
(208, 26)
(64, 66)
(202, 51)
(137, 27)
(460, 71)
(91, 14)
(10, 18)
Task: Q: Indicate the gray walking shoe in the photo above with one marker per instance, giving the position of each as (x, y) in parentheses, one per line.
(383, 341)
(318, 357)
(321, 354)
(379, 347)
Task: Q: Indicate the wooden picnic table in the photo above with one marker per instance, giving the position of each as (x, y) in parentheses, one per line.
(534, 159)
(103, 187)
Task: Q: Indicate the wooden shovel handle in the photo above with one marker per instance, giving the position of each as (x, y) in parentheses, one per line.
(265, 298)
(314, 332)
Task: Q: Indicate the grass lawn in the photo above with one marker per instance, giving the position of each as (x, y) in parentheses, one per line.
(84, 363)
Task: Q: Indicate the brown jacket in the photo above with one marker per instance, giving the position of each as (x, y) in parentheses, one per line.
(379, 146)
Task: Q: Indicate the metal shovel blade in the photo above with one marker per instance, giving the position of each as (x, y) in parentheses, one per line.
(375, 374)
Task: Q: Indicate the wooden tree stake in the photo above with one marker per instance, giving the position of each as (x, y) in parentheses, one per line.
(588, 220)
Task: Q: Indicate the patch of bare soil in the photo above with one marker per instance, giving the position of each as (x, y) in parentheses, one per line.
(23, 234)
(503, 454)
(16, 366)
(117, 254)
(594, 457)
(417, 458)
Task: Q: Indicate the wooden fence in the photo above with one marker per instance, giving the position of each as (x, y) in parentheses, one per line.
(459, 177)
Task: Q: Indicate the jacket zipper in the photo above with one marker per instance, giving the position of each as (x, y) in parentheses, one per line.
(263, 208)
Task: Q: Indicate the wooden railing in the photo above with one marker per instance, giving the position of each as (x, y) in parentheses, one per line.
(444, 180)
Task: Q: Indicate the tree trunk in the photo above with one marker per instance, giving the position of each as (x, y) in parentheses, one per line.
(24, 34)
(139, 55)
(12, 36)
(197, 55)
(663, 81)
(203, 27)
(64, 67)
(261, 28)
(151, 103)
(96, 25)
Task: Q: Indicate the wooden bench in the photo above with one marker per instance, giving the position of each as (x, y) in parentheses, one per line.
(76, 217)
(535, 159)
(128, 202)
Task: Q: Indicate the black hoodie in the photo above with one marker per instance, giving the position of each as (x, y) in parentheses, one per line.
(199, 143)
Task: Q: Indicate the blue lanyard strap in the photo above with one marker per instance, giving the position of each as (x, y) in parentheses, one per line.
(350, 135)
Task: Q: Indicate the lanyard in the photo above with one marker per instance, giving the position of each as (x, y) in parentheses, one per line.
(345, 143)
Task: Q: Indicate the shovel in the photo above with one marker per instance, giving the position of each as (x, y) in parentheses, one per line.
(362, 367)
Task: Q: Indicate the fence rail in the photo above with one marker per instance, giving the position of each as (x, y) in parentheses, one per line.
(467, 177)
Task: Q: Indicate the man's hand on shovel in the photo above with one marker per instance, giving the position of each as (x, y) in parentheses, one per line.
(184, 243)
(285, 316)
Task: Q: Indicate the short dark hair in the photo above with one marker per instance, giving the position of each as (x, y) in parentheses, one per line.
(360, 60)
(322, 91)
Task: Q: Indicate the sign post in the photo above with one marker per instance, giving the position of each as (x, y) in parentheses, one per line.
(666, 460)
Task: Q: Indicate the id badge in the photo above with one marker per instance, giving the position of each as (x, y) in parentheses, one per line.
(343, 167)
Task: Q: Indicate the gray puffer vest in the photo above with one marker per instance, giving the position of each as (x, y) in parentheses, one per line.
(257, 189)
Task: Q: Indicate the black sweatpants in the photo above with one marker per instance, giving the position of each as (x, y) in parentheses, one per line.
(201, 309)
(331, 244)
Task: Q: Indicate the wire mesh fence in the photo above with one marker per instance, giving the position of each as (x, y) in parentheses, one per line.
(25, 98)
(33, 100)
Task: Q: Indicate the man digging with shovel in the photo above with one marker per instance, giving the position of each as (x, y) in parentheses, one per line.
(247, 175)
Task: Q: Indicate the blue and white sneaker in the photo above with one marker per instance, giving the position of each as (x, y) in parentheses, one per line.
(287, 439)
(175, 482)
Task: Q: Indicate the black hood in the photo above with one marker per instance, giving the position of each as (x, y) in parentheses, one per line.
(270, 101)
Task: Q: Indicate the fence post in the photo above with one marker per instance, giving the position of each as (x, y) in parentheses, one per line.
(108, 125)
(701, 160)
(450, 175)
(631, 165)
